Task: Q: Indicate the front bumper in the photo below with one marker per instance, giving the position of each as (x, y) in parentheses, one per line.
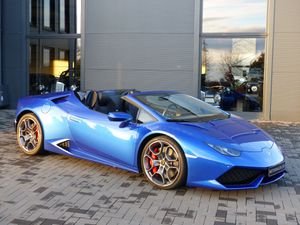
(248, 171)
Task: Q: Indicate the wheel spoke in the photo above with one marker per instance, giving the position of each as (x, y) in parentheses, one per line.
(22, 127)
(171, 171)
(27, 144)
(27, 124)
(160, 172)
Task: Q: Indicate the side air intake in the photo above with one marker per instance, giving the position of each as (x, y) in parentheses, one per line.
(65, 144)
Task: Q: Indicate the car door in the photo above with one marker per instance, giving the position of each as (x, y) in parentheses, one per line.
(99, 137)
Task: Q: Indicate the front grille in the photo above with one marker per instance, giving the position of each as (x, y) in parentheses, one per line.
(240, 176)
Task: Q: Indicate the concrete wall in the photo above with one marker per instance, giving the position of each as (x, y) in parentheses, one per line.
(285, 94)
(142, 44)
(14, 58)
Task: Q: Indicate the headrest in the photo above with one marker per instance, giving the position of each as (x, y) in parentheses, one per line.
(91, 99)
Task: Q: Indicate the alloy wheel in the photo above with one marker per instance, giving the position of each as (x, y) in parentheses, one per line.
(29, 134)
(161, 163)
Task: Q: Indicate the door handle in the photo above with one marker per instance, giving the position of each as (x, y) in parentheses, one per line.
(74, 119)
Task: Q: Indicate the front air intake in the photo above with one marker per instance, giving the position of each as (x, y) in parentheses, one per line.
(240, 176)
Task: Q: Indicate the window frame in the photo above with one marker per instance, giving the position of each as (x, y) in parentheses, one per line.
(125, 98)
(226, 35)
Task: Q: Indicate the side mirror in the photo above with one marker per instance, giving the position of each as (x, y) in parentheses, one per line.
(119, 116)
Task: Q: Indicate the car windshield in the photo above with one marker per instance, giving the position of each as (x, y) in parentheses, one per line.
(181, 107)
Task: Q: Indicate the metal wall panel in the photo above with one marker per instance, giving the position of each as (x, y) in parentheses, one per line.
(287, 16)
(287, 52)
(286, 96)
(139, 16)
(140, 80)
(14, 60)
(139, 44)
(138, 51)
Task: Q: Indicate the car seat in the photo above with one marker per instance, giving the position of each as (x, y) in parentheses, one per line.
(91, 99)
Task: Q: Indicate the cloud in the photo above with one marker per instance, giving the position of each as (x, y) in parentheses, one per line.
(234, 15)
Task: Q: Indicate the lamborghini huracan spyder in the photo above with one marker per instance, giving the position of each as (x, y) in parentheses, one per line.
(173, 138)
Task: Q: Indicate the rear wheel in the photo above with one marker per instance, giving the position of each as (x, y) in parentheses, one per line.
(163, 163)
(30, 134)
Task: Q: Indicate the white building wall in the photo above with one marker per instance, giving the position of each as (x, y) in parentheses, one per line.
(285, 95)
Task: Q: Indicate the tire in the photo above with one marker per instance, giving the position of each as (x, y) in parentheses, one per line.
(30, 135)
(163, 163)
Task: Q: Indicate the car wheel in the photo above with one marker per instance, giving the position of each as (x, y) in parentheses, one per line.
(30, 134)
(163, 163)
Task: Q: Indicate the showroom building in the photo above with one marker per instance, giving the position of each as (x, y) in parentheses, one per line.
(241, 55)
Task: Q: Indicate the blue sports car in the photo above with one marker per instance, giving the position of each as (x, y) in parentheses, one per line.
(173, 138)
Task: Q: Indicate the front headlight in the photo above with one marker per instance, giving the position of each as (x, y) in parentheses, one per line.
(225, 151)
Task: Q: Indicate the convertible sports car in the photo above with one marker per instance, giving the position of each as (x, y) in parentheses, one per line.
(173, 138)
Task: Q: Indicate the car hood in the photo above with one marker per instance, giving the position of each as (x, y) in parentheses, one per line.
(232, 132)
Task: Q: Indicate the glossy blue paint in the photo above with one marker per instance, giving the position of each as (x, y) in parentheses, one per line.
(95, 137)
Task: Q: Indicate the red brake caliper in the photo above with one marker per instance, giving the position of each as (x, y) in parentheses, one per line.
(154, 169)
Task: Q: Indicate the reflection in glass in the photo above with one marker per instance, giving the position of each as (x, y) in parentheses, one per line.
(234, 16)
(233, 72)
(33, 13)
(57, 16)
(46, 57)
(62, 12)
(48, 14)
(30, 11)
(62, 54)
(59, 69)
(78, 16)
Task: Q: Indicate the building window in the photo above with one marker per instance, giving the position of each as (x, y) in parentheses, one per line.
(233, 50)
(54, 45)
(62, 16)
(58, 69)
(233, 72)
(33, 10)
(48, 15)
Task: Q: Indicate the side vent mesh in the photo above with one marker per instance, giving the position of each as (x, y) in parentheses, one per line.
(65, 144)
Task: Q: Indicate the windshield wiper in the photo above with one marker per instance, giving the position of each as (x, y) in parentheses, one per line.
(179, 120)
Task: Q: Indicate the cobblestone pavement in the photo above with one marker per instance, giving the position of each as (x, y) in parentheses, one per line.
(55, 189)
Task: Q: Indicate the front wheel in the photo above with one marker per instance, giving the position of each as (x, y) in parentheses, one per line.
(164, 163)
(30, 134)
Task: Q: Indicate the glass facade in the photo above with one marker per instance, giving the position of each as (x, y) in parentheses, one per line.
(53, 46)
(54, 65)
(233, 52)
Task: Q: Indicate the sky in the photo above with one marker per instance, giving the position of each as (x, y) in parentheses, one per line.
(234, 15)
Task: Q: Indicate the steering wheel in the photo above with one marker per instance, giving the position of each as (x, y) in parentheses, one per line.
(172, 114)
